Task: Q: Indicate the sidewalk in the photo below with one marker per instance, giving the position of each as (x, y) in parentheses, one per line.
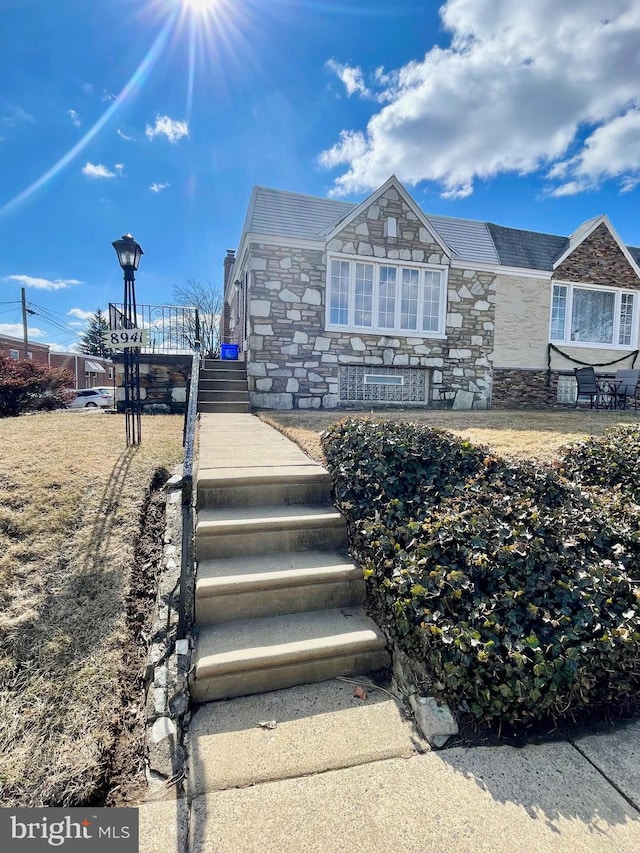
(314, 768)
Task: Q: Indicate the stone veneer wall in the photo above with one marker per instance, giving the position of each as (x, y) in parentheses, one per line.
(598, 260)
(524, 389)
(293, 361)
(163, 381)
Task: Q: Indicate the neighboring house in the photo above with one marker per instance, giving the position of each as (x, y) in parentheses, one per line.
(87, 370)
(333, 303)
(14, 348)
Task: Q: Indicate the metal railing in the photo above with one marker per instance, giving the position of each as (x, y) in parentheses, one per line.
(172, 329)
(185, 614)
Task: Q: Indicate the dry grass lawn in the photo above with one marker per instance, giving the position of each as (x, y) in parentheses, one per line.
(70, 501)
(516, 434)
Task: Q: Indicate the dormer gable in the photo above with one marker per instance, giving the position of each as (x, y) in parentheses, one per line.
(388, 220)
(595, 254)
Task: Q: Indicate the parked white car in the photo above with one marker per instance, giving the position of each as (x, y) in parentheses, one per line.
(92, 398)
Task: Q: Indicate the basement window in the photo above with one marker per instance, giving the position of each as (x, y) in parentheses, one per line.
(405, 385)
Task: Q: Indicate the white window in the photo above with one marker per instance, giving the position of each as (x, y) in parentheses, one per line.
(14, 354)
(383, 297)
(339, 293)
(391, 227)
(592, 316)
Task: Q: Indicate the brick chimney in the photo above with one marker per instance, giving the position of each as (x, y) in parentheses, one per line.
(229, 261)
(225, 320)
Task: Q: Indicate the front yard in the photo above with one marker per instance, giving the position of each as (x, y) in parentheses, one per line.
(517, 434)
(72, 499)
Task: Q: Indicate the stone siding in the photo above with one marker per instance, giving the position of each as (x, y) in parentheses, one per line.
(163, 383)
(598, 260)
(524, 389)
(293, 361)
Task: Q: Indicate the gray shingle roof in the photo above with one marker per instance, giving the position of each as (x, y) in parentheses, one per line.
(528, 249)
(470, 240)
(288, 214)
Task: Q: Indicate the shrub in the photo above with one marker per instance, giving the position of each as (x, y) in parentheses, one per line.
(26, 386)
(611, 460)
(513, 587)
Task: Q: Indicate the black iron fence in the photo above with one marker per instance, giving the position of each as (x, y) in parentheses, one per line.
(170, 329)
(185, 615)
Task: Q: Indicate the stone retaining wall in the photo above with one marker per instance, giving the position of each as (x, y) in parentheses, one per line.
(163, 382)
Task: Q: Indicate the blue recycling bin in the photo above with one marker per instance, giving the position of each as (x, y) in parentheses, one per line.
(229, 352)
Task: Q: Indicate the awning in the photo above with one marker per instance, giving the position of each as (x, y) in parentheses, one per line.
(93, 367)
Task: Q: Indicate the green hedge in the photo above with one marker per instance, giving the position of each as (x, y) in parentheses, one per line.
(611, 461)
(513, 586)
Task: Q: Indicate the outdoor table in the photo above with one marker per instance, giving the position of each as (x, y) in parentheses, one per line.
(608, 394)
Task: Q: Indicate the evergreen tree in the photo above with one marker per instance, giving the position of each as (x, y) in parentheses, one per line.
(91, 342)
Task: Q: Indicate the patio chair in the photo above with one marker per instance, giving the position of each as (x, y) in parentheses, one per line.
(587, 386)
(627, 391)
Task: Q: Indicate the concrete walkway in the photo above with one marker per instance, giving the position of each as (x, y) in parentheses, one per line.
(315, 768)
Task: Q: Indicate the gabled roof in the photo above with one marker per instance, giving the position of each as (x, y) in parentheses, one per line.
(394, 183)
(281, 213)
(585, 230)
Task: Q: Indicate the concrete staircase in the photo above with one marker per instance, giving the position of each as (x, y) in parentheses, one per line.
(277, 599)
(223, 387)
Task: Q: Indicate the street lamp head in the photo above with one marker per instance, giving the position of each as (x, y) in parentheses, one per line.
(128, 251)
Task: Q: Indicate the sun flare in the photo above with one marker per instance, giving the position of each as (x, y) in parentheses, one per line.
(201, 7)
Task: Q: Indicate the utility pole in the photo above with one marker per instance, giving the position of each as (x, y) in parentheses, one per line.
(24, 323)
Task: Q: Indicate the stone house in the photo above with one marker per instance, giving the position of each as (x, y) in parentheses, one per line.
(339, 304)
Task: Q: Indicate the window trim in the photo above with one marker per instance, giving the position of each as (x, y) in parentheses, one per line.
(617, 291)
(374, 329)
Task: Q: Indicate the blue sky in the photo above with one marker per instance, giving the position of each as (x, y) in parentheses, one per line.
(158, 116)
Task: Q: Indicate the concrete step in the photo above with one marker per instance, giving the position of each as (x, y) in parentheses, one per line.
(222, 375)
(219, 396)
(235, 531)
(224, 364)
(223, 408)
(274, 584)
(240, 658)
(282, 484)
(215, 384)
(319, 727)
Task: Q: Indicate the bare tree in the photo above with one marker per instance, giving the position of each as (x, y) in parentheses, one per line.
(208, 299)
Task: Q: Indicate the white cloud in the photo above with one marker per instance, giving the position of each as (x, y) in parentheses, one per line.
(157, 188)
(352, 77)
(43, 283)
(124, 136)
(75, 118)
(14, 330)
(62, 347)
(80, 314)
(165, 126)
(611, 151)
(517, 89)
(97, 170)
(118, 167)
(14, 114)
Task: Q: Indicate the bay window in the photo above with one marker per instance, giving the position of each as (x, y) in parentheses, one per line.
(592, 316)
(386, 297)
